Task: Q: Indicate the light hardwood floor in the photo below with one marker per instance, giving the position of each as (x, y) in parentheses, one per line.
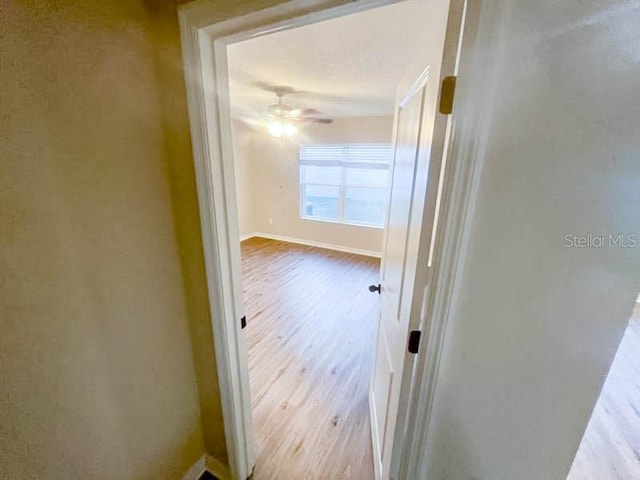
(610, 448)
(310, 336)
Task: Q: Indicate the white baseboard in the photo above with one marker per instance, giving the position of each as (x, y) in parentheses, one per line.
(217, 468)
(210, 464)
(311, 243)
(196, 469)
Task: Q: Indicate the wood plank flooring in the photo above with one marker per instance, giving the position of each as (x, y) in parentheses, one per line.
(310, 337)
(610, 448)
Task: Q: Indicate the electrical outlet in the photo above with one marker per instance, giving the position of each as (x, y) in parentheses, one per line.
(270, 221)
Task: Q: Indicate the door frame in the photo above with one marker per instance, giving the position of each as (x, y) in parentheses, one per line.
(204, 38)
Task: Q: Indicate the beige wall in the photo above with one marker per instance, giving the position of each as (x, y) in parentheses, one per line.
(97, 372)
(177, 148)
(245, 171)
(268, 169)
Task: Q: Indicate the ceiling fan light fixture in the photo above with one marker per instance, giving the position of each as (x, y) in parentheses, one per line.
(290, 130)
(276, 129)
(284, 117)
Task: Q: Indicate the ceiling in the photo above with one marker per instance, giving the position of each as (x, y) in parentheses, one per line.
(345, 67)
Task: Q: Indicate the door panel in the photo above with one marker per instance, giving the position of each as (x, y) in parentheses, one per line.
(383, 372)
(396, 279)
(402, 187)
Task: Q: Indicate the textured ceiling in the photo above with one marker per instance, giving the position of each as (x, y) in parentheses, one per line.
(345, 67)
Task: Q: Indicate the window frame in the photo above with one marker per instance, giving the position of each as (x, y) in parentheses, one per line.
(343, 165)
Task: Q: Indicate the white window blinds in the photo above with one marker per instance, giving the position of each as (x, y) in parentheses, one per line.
(345, 183)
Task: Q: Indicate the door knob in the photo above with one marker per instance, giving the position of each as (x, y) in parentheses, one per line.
(374, 288)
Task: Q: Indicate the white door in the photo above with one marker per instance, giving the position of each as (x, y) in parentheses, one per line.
(393, 316)
(410, 227)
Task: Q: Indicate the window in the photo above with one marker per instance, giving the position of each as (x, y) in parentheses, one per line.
(344, 183)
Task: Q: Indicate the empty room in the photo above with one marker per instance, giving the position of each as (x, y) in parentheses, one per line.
(312, 111)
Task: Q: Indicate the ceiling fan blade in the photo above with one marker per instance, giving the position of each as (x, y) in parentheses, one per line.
(303, 113)
(278, 90)
(321, 120)
(282, 111)
(310, 111)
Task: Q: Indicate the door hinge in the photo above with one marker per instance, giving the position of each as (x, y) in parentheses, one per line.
(447, 92)
(414, 341)
(243, 321)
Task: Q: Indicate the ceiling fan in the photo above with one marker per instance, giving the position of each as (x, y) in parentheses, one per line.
(285, 116)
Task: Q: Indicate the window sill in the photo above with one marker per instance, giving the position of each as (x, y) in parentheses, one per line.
(336, 222)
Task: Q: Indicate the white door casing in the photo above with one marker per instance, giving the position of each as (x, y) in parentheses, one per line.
(204, 37)
(204, 40)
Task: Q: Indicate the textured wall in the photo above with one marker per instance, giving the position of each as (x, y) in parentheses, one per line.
(177, 148)
(96, 365)
(537, 323)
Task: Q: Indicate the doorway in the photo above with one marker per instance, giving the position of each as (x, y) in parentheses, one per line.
(436, 195)
(312, 116)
